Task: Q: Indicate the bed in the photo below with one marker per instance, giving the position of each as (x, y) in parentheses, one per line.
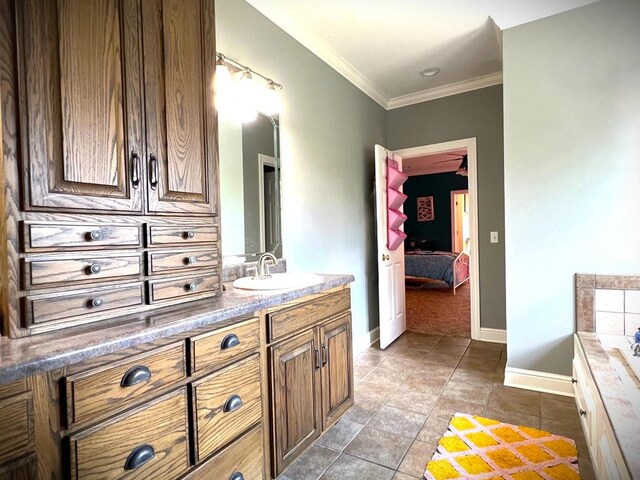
(449, 267)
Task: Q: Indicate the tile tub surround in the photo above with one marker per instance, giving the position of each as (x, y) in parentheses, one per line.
(608, 304)
(31, 355)
(607, 365)
(405, 397)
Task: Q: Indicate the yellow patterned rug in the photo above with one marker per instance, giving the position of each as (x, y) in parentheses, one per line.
(480, 448)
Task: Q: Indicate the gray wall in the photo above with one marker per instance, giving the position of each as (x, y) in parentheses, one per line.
(572, 171)
(328, 131)
(472, 114)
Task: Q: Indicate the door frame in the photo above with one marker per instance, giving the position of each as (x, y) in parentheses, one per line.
(262, 161)
(472, 165)
(453, 220)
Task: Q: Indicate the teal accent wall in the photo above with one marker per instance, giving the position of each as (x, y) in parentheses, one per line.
(440, 186)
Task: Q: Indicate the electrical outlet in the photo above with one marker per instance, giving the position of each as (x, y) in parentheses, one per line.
(494, 237)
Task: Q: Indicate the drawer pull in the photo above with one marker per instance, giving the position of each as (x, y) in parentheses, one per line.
(95, 235)
(191, 260)
(192, 286)
(135, 375)
(229, 341)
(325, 355)
(233, 403)
(189, 234)
(95, 269)
(97, 302)
(236, 476)
(139, 456)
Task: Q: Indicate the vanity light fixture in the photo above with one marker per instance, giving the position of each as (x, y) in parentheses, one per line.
(242, 92)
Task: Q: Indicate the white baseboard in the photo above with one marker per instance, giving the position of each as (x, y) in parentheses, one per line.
(538, 381)
(363, 342)
(494, 335)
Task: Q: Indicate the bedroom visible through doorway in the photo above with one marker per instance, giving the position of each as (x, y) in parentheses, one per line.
(440, 268)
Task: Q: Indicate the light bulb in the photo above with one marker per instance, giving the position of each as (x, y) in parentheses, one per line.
(247, 98)
(269, 100)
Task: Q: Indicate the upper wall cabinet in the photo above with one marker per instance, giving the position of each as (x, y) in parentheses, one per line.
(82, 97)
(179, 64)
(118, 103)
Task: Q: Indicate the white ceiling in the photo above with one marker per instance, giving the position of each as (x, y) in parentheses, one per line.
(434, 163)
(381, 45)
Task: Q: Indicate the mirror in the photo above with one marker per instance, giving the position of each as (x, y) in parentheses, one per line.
(249, 188)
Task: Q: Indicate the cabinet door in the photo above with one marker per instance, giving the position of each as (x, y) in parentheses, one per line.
(295, 366)
(179, 63)
(337, 368)
(82, 100)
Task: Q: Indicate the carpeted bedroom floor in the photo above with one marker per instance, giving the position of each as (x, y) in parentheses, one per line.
(437, 311)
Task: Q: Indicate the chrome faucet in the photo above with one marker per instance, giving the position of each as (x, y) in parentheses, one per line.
(264, 261)
(636, 346)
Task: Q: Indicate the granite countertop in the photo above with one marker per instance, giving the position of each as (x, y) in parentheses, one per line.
(619, 391)
(22, 357)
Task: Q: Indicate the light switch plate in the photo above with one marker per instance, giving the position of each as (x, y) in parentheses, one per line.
(494, 237)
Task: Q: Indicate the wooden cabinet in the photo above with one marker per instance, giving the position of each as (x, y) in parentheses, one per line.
(179, 62)
(82, 88)
(311, 371)
(296, 396)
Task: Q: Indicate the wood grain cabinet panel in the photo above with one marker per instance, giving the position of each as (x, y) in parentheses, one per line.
(45, 236)
(165, 235)
(149, 442)
(82, 89)
(179, 52)
(16, 426)
(105, 390)
(283, 322)
(194, 286)
(212, 349)
(82, 306)
(180, 261)
(22, 469)
(296, 396)
(86, 268)
(226, 403)
(337, 369)
(243, 457)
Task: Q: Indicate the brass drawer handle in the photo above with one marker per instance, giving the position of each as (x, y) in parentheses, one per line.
(191, 260)
(236, 476)
(139, 456)
(97, 302)
(192, 286)
(95, 235)
(95, 269)
(229, 341)
(135, 375)
(233, 403)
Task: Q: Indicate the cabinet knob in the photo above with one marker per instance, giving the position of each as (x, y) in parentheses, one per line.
(192, 260)
(189, 234)
(96, 302)
(95, 235)
(583, 413)
(95, 269)
(192, 286)
(139, 456)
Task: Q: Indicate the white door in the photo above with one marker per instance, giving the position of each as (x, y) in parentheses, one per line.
(391, 291)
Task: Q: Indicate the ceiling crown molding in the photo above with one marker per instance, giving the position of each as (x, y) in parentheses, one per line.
(446, 90)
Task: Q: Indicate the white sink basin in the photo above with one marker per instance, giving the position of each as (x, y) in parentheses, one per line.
(278, 281)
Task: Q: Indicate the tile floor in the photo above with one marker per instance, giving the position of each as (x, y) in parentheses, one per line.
(404, 398)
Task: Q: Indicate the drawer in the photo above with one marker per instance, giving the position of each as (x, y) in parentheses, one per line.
(41, 271)
(16, 426)
(226, 403)
(148, 442)
(183, 260)
(22, 469)
(183, 287)
(40, 236)
(216, 348)
(283, 322)
(181, 234)
(245, 457)
(83, 305)
(104, 390)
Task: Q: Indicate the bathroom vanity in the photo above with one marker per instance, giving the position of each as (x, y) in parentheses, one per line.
(238, 385)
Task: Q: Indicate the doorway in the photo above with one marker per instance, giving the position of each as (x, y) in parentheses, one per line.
(467, 145)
